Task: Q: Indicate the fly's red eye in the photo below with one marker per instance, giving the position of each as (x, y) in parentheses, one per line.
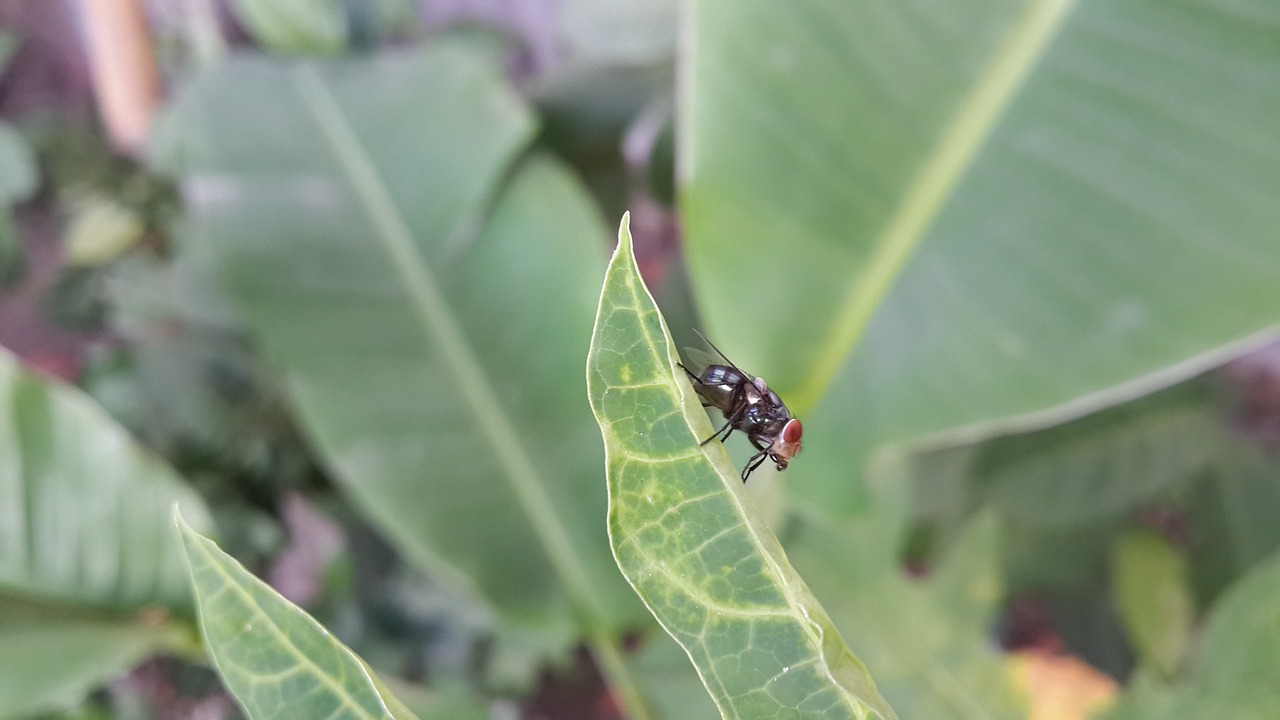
(792, 431)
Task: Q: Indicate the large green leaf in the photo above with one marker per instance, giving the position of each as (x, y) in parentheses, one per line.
(55, 654)
(428, 318)
(276, 659)
(83, 508)
(689, 540)
(1096, 468)
(951, 216)
(86, 557)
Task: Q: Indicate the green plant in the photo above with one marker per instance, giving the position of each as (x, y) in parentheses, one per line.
(991, 254)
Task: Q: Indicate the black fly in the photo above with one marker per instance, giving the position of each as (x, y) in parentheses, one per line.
(750, 407)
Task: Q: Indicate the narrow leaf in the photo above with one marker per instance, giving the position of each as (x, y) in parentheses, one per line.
(275, 658)
(689, 541)
(1153, 599)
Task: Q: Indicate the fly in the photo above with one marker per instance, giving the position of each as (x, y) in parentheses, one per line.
(750, 407)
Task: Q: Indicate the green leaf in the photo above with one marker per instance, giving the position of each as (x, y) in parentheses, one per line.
(1153, 599)
(325, 26)
(295, 26)
(1092, 471)
(690, 542)
(275, 658)
(54, 655)
(19, 178)
(8, 46)
(19, 175)
(102, 229)
(1104, 465)
(1233, 511)
(443, 701)
(970, 215)
(1235, 671)
(83, 508)
(89, 570)
(428, 317)
(675, 691)
(927, 639)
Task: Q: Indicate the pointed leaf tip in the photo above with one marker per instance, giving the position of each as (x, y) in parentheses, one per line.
(276, 659)
(624, 230)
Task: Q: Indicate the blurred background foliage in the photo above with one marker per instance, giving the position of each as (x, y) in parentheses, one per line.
(323, 273)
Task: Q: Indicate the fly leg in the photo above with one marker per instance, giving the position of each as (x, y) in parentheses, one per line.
(763, 445)
(727, 428)
(754, 462)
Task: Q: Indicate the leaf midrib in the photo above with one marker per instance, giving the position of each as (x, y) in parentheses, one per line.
(431, 309)
(204, 547)
(796, 611)
(436, 321)
(976, 117)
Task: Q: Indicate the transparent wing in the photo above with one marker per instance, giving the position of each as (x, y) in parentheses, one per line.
(697, 359)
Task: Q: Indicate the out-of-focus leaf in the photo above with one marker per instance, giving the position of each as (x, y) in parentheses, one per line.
(83, 509)
(1235, 671)
(619, 32)
(927, 641)
(324, 27)
(1066, 491)
(955, 218)
(1234, 511)
(427, 317)
(1084, 472)
(674, 688)
(8, 46)
(101, 230)
(1153, 599)
(55, 655)
(10, 249)
(439, 703)
(18, 179)
(1097, 468)
(84, 545)
(1036, 558)
(295, 26)
(689, 540)
(18, 173)
(275, 658)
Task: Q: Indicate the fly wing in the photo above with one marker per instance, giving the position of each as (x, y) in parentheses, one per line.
(710, 355)
(697, 359)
